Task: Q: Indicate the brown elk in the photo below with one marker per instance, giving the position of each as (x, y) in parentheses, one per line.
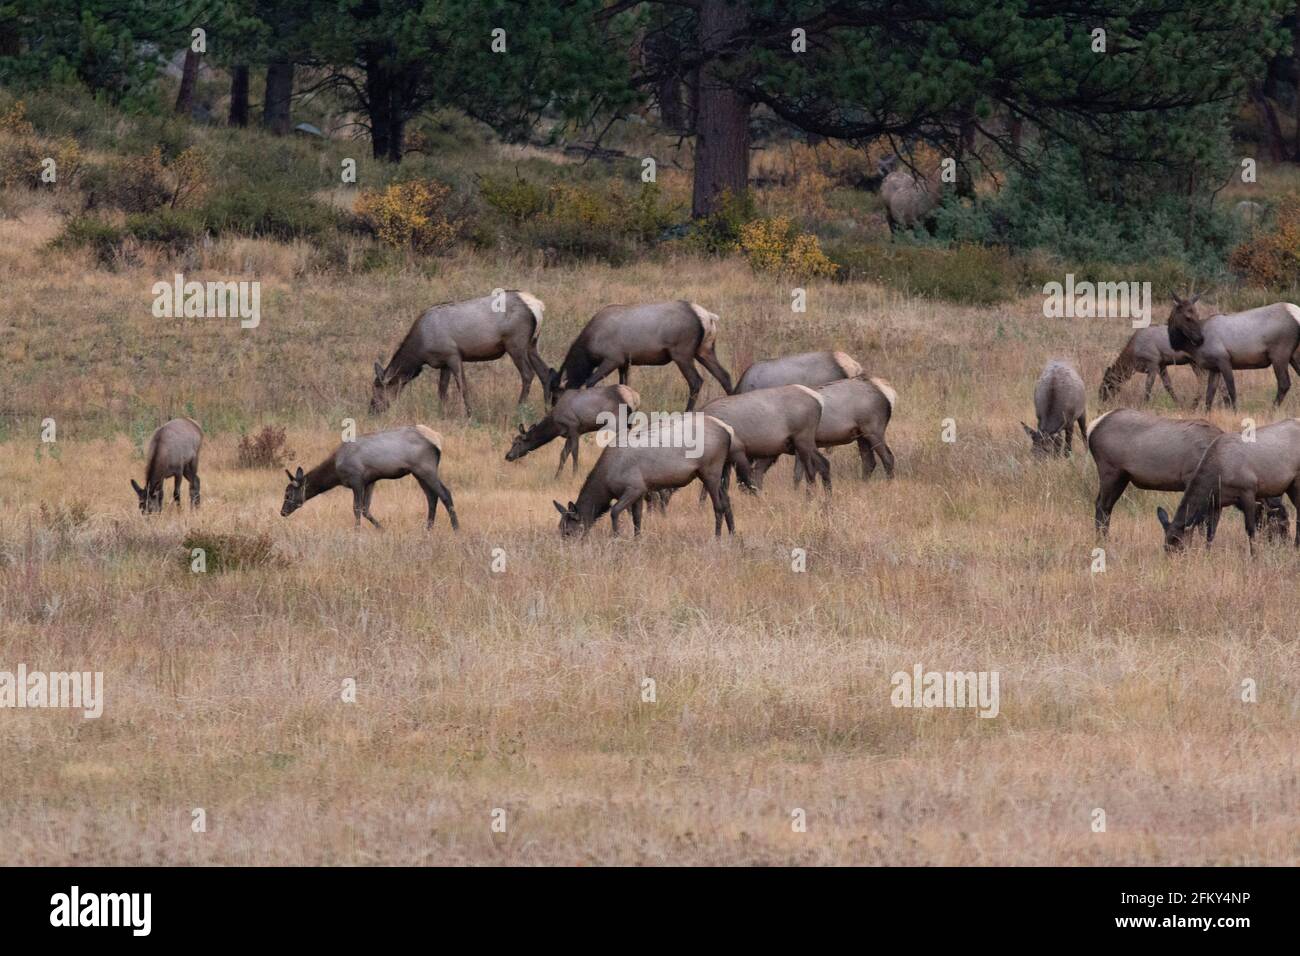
(620, 336)
(1241, 473)
(809, 368)
(173, 452)
(357, 465)
(576, 412)
(1148, 352)
(910, 197)
(448, 336)
(663, 457)
(1059, 405)
(855, 410)
(770, 422)
(1260, 338)
(1154, 454)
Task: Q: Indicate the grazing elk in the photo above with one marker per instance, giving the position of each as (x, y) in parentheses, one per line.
(620, 336)
(855, 410)
(1147, 351)
(670, 455)
(1154, 454)
(576, 412)
(396, 453)
(770, 422)
(449, 335)
(810, 368)
(173, 452)
(1059, 404)
(1260, 338)
(910, 197)
(1240, 473)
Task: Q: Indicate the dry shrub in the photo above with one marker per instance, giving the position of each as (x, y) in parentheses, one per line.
(265, 449)
(23, 154)
(1272, 258)
(410, 215)
(145, 183)
(774, 245)
(230, 552)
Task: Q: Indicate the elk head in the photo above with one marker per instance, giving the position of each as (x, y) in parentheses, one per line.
(295, 494)
(570, 520)
(1042, 444)
(1185, 324)
(522, 444)
(384, 389)
(151, 499)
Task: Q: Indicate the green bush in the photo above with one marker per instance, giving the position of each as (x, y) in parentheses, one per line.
(229, 552)
(173, 229)
(261, 211)
(719, 233)
(973, 274)
(104, 239)
(517, 199)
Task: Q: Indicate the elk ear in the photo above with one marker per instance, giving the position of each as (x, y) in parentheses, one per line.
(573, 507)
(290, 474)
(138, 490)
(559, 507)
(522, 430)
(298, 477)
(1163, 516)
(1033, 435)
(1177, 300)
(379, 373)
(1194, 299)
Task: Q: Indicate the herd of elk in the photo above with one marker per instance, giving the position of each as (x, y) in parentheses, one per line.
(792, 405)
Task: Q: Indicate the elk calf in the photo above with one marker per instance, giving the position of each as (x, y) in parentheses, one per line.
(1237, 473)
(412, 450)
(672, 455)
(1059, 404)
(576, 413)
(809, 368)
(449, 335)
(620, 336)
(173, 452)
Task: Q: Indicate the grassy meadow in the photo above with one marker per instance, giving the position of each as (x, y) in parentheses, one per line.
(522, 690)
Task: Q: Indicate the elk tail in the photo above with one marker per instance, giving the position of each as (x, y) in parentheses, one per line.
(535, 306)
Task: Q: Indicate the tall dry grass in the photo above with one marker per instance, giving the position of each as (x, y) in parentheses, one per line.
(522, 690)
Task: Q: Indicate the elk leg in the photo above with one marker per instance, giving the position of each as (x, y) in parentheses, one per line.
(358, 497)
(636, 517)
(444, 382)
(176, 491)
(431, 497)
(1230, 385)
(693, 380)
(868, 458)
(721, 506)
(629, 497)
(525, 375)
(1069, 440)
(458, 369)
(1211, 386)
(603, 369)
(365, 506)
(760, 467)
(542, 369)
(192, 476)
(1110, 490)
(441, 491)
(1169, 387)
(1248, 515)
(1283, 382)
(1151, 381)
(623, 371)
(1294, 494)
(575, 443)
(564, 453)
(714, 367)
(799, 472)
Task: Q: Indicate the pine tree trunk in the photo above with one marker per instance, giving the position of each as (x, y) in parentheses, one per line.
(239, 96)
(387, 125)
(189, 82)
(722, 115)
(279, 95)
(1295, 106)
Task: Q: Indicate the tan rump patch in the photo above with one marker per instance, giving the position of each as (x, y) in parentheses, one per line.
(709, 322)
(535, 305)
(434, 438)
(1097, 421)
(629, 396)
(820, 400)
(720, 422)
(887, 390)
(1294, 311)
(848, 365)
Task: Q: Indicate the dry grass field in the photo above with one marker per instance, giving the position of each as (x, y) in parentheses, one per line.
(522, 690)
